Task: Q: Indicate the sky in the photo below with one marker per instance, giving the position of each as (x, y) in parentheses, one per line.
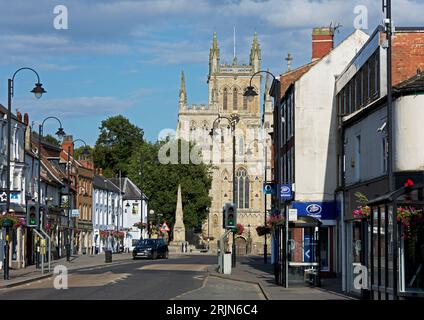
(125, 56)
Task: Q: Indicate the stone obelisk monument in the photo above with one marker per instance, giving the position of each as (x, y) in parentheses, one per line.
(179, 242)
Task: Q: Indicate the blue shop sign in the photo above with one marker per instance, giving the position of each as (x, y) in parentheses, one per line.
(319, 210)
(286, 191)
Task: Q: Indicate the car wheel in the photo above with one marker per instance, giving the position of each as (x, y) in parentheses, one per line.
(166, 255)
(154, 255)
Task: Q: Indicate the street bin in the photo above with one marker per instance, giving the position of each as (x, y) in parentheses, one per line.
(108, 256)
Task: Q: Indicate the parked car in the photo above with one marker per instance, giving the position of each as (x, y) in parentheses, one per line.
(151, 248)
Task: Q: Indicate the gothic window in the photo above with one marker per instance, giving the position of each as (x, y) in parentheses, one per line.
(235, 99)
(241, 146)
(225, 103)
(244, 102)
(242, 189)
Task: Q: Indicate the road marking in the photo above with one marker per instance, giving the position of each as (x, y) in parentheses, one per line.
(175, 267)
(183, 294)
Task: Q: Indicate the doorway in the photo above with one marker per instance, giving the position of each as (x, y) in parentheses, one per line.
(241, 246)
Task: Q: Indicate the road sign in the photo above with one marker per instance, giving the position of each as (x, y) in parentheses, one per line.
(164, 227)
(286, 192)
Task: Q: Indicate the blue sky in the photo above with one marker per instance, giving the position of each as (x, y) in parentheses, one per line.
(125, 57)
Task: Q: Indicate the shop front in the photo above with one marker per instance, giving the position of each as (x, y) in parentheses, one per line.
(310, 244)
(395, 244)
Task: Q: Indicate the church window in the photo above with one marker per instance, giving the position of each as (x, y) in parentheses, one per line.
(244, 102)
(225, 103)
(241, 146)
(235, 99)
(242, 189)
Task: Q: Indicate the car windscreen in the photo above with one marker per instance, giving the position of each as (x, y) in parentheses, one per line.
(146, 242)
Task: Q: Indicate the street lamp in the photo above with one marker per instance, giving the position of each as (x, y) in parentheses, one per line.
(85, 152)
(233, 119)
(38, 92)
(151, 213)
(250, 93)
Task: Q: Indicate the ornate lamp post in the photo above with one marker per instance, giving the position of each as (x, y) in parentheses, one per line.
(232, 122)
(275, 92)
(38, 92)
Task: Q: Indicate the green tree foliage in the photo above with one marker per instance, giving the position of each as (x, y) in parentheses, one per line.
(115, 145)
(79, 152)
(52, 140)
(160, 184)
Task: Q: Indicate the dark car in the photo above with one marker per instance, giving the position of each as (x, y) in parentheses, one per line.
(151, 248)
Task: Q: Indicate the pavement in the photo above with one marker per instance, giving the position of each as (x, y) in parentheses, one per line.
(184, 276)
(253, 270)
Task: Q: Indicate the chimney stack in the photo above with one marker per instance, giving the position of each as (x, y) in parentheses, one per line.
(26, 119)
(67, 143)
(322, 42)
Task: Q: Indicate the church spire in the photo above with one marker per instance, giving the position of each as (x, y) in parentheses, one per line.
(255, 54)
(214, 56)
(183, 93)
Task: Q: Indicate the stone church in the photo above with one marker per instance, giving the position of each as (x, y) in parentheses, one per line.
(227, 83)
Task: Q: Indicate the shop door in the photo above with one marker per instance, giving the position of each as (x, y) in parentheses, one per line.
(304, 254)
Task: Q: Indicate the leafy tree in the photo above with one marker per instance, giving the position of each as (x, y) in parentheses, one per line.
(52, 140)
(117, 141)
(79, 152)
(160, 184)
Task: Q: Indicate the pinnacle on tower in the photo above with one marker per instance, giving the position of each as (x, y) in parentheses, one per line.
(255, 53)
(183, 93)
(214, 56)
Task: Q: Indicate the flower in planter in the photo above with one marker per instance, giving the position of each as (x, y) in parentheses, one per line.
(9, 219)
(140, 225)
(104, 234)
(411, 220)
(363, 211)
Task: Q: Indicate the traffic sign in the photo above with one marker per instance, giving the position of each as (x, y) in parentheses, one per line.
(164, 227)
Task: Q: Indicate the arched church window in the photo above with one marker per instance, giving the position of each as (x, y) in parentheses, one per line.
(244, 102)
(241, 146)
(242, 189)
(225, 97)
(235, 99)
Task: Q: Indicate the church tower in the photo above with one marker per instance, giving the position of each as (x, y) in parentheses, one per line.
(227, 82)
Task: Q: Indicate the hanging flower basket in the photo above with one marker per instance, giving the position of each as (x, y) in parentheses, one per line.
(412, 221)
(48, 227)
(140, 225)
(9, 220)
(363, 211)
(239, 229)
(118, 234)
(273, 220)
(104, 234)
(263, 230)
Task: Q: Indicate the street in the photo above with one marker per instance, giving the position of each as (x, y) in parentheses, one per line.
(180, 278)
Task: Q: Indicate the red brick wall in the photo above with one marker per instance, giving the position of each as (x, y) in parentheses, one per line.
(407, 55)
(321, 46)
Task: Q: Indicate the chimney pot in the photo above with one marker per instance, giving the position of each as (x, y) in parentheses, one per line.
(322, 42)
(26, 119)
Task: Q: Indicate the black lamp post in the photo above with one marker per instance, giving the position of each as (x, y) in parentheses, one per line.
(60, 133)
(68, 238)
(38, 92)
(232, 120)
(275, 92)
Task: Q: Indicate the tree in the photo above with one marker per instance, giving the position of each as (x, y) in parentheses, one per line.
(79, 152)
(52, 140)
(117, 141)
(160, 184)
